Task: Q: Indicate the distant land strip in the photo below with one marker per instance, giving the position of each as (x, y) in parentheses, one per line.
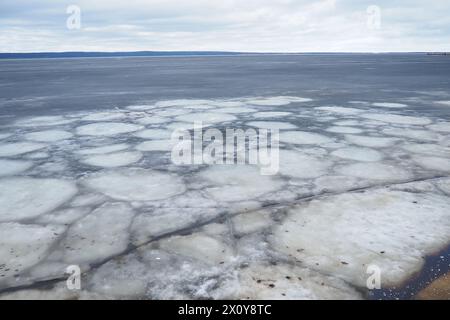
(81, 54)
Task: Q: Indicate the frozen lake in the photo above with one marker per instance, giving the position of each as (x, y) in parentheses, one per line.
(86, 177)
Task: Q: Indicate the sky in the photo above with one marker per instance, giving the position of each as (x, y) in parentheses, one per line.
(225, 25)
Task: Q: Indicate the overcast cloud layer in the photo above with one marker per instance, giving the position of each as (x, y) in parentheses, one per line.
(227, 25)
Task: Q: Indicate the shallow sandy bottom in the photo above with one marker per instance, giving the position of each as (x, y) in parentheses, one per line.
(357, 188)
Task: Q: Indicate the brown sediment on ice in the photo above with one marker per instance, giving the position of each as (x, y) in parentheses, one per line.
(439, 289)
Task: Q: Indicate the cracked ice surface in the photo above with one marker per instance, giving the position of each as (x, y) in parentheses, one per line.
(359, 184)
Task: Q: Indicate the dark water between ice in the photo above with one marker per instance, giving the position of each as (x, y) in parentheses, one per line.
(49, 86)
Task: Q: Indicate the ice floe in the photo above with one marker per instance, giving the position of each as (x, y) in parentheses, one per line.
(238, 182)
(107, 129)
(298, 165)
(271, 125)
(17, 148)
(23, 246)
(103, 149)
(372, 228)
(340, 110)
(358, 154)
(112, 160)
(395, 118)
(375, 171)
(207, 117)
(440, 127)
(303, 137)
(343, 129)
(155, 145)
(271, 114)
(24, 198)
(156, 134)
(12, 167)
(433, 163)
(136, 184)
(48, 136)
(392, 105)
(104, 116)
(44, 121)
(371, 142)
(99, 235)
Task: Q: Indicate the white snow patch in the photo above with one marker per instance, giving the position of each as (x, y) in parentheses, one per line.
(107, 129)
(136, 184)
(24, 198)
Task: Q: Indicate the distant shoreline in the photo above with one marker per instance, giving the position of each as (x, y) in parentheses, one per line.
(60, 55)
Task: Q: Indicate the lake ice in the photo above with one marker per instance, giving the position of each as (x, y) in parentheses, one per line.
(359, 184)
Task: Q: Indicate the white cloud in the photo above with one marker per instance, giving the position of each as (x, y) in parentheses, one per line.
(231, 25)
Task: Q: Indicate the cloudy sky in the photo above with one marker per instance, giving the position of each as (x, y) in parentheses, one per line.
(226, 25)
